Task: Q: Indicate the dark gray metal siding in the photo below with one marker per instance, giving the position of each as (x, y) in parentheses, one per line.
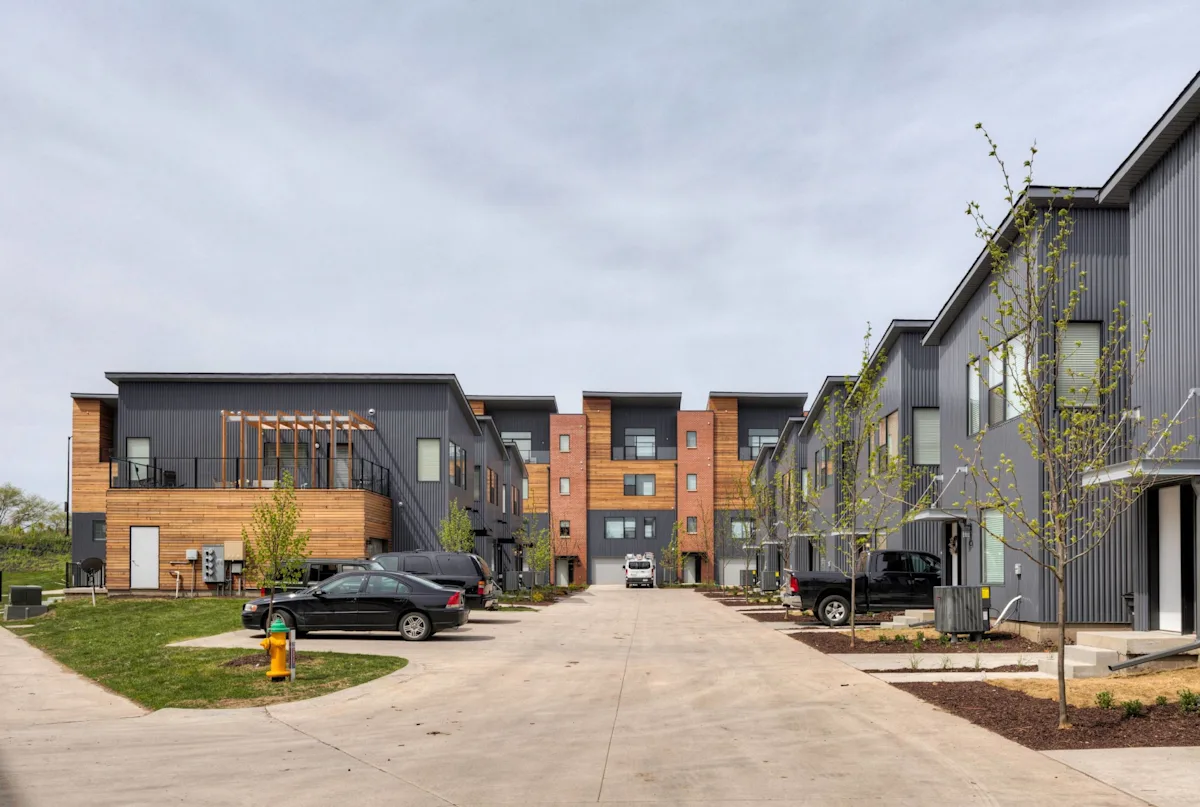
(1101, 246)
(751, 416)
(82, 545)
(601, 547)
(182, 419)
(662, 419)
(536, 422)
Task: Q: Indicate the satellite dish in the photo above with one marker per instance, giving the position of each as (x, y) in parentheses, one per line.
(91, 566)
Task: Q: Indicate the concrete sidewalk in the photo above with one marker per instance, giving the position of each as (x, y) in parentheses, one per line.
(1161, 776)
(903, 662)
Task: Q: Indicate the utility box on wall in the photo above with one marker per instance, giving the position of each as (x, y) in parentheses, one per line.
(213, 562)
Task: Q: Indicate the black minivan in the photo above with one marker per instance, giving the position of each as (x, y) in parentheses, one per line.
(454, 569)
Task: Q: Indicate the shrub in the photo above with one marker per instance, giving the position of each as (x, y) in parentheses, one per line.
(1189, 701)
(1131, 708)
(1104, 699)
(944, 639)
(537, 596)
(1161, 700)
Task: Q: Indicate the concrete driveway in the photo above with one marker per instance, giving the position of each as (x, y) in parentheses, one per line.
(612, 696)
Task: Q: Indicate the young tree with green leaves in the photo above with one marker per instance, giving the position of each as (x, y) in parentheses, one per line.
(538, 545)
(1071, 405)
(672, 554)
(455, 532)
(872, 475)
(274, 548)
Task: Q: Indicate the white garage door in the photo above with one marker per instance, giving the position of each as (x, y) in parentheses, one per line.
(731, 571)
(608, 571)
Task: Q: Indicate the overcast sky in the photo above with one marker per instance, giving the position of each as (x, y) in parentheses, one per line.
(541, 197)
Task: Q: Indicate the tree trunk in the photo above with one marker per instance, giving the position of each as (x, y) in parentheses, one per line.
(853, 594)
(1063, 721)
(270, 614)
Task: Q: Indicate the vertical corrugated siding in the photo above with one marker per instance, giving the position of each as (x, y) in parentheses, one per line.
(601, 547)
(752, 416)
(662, 419)
(182, 419)
(536, 422)
(1101, 246)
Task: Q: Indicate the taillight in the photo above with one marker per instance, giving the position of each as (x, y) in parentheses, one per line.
(455, 600)
(794, 585)
(481, 587)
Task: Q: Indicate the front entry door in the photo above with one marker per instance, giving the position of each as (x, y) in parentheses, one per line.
(1170, 560)
(562, 571)
(143, 557)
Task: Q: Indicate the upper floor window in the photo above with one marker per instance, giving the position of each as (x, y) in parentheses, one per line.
(429, 459)
(691, 482)
(639, 484)
(493, 486)
(456, 459)
(742, 529)
(477, 484)
(823, 467)
(564, 443)
(691, 525)
(524, 487)
(504, 498)
(760, 438)
(98, 530)
(564, 529)
(887, 439)
(927, 437)
(523, 442)
(1077, 366)
(640, 444)
(973, 417)
(564, 485)
(691, 439)
(648, 526)
(620, 528)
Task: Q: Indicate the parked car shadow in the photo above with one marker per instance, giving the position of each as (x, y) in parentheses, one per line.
(488, 621)
(358, 636)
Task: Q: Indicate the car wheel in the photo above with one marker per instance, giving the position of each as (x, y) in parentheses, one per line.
(415, 627)
(626, 585)
(287, 618)
(834, 610)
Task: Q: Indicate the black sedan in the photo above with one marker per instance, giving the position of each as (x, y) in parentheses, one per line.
(366, 600)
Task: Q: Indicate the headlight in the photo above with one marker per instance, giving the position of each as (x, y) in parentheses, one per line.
(251, 607)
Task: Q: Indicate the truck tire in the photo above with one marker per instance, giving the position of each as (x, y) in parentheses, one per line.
(834, 610)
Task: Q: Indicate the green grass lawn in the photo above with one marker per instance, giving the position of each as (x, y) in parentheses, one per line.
(48, 580)
(122, 645)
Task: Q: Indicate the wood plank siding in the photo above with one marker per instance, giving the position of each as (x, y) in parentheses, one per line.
(341, 522)
(606, 477)
(91, 437)
(731, 474)
(478, 408)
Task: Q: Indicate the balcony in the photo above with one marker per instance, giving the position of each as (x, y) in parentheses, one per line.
(621, 453)
(214, 473)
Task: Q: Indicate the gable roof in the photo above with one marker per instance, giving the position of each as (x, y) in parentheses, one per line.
(793, 424)
(1166, 131)
(828, 387)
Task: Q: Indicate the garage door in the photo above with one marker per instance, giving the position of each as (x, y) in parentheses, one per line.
(608, 571)
(731, 571)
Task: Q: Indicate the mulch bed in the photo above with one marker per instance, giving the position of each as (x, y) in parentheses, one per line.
(259, 661)
(831, 642)
(931, 671)
(779, 615)
(1033, 722)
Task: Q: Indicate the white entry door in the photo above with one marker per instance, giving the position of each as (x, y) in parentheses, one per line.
(143, 557)
(691, 574)
(1170, 561)
(562, 571)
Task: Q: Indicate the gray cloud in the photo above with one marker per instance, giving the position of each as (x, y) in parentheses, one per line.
(669, 196)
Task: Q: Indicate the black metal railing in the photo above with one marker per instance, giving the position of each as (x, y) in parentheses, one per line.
(633, 453)
(207, 473)
(76, 575)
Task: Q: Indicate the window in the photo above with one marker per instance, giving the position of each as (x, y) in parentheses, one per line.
(892, 563)
(618, 529)
(639, 484)
(1017, 375)
(824, 468)
(418, 564)
(504, 498)
(973, 397)
(996, 385)
(640, 444)
(137, 452)
(691, 482)
(524, 488)
(760, 438)
(691, 525)
(99, 530)
(478, 485)
(344, 586)
(648, 527)
(691, 439)
(1077, 365)
(564, 529)
(493, 487)
(804, 482)
(924, 564)
(887, 440)
(993, 547)
(927, 437)
(518, 508)
(457, 564)
(382, 585)
(564, 443)
(741, 529)
(564, 485)
(429, 459)
(456, 458)
(522, 440)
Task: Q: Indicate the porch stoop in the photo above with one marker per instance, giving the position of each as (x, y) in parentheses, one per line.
(1094, 651)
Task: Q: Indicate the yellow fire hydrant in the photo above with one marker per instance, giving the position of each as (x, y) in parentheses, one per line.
(276, 645)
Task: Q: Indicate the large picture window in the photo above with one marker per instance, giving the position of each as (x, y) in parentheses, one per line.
(619, 529)
(640, 444)
(760, 438)
(522, 440)
(639, 484)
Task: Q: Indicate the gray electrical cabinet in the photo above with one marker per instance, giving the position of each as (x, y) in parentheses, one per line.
(961, 609)
(212, 558)
(769, 555)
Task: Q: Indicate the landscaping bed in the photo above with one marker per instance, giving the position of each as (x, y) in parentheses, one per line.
(539, 596)
(874, 641)
(122, 645)
(1033, 722)
(806, 620)
(936, 670)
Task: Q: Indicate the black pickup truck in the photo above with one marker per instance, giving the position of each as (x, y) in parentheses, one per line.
(887, 580)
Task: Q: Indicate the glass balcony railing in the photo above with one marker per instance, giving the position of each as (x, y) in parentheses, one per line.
(206, 473)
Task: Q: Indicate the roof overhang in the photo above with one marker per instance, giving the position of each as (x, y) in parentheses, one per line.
(938, 515)
(828, 386)
(664, 399)
(793, 424)
(895, 329)
(1183, 112)
(94, 396)
(509, 403)
(795, 399)
(1159, 471)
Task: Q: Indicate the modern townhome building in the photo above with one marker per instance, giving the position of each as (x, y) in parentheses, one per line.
(975, 400)
(175, 462)
(1159, 184)
(829, 546)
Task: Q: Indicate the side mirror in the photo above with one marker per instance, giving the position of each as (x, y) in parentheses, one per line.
(319, 592)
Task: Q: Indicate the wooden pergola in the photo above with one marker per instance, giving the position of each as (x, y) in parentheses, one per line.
(296, 422)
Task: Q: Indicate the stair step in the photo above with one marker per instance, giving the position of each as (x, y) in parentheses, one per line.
(1073, 669)
(918, 614)
(1096, 656)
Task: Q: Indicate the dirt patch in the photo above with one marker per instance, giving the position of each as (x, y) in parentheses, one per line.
(938, 670)
(1033, 722)
(869, 642)
(1082, 691)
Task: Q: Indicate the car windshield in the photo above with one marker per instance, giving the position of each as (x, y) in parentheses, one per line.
(639, 564)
